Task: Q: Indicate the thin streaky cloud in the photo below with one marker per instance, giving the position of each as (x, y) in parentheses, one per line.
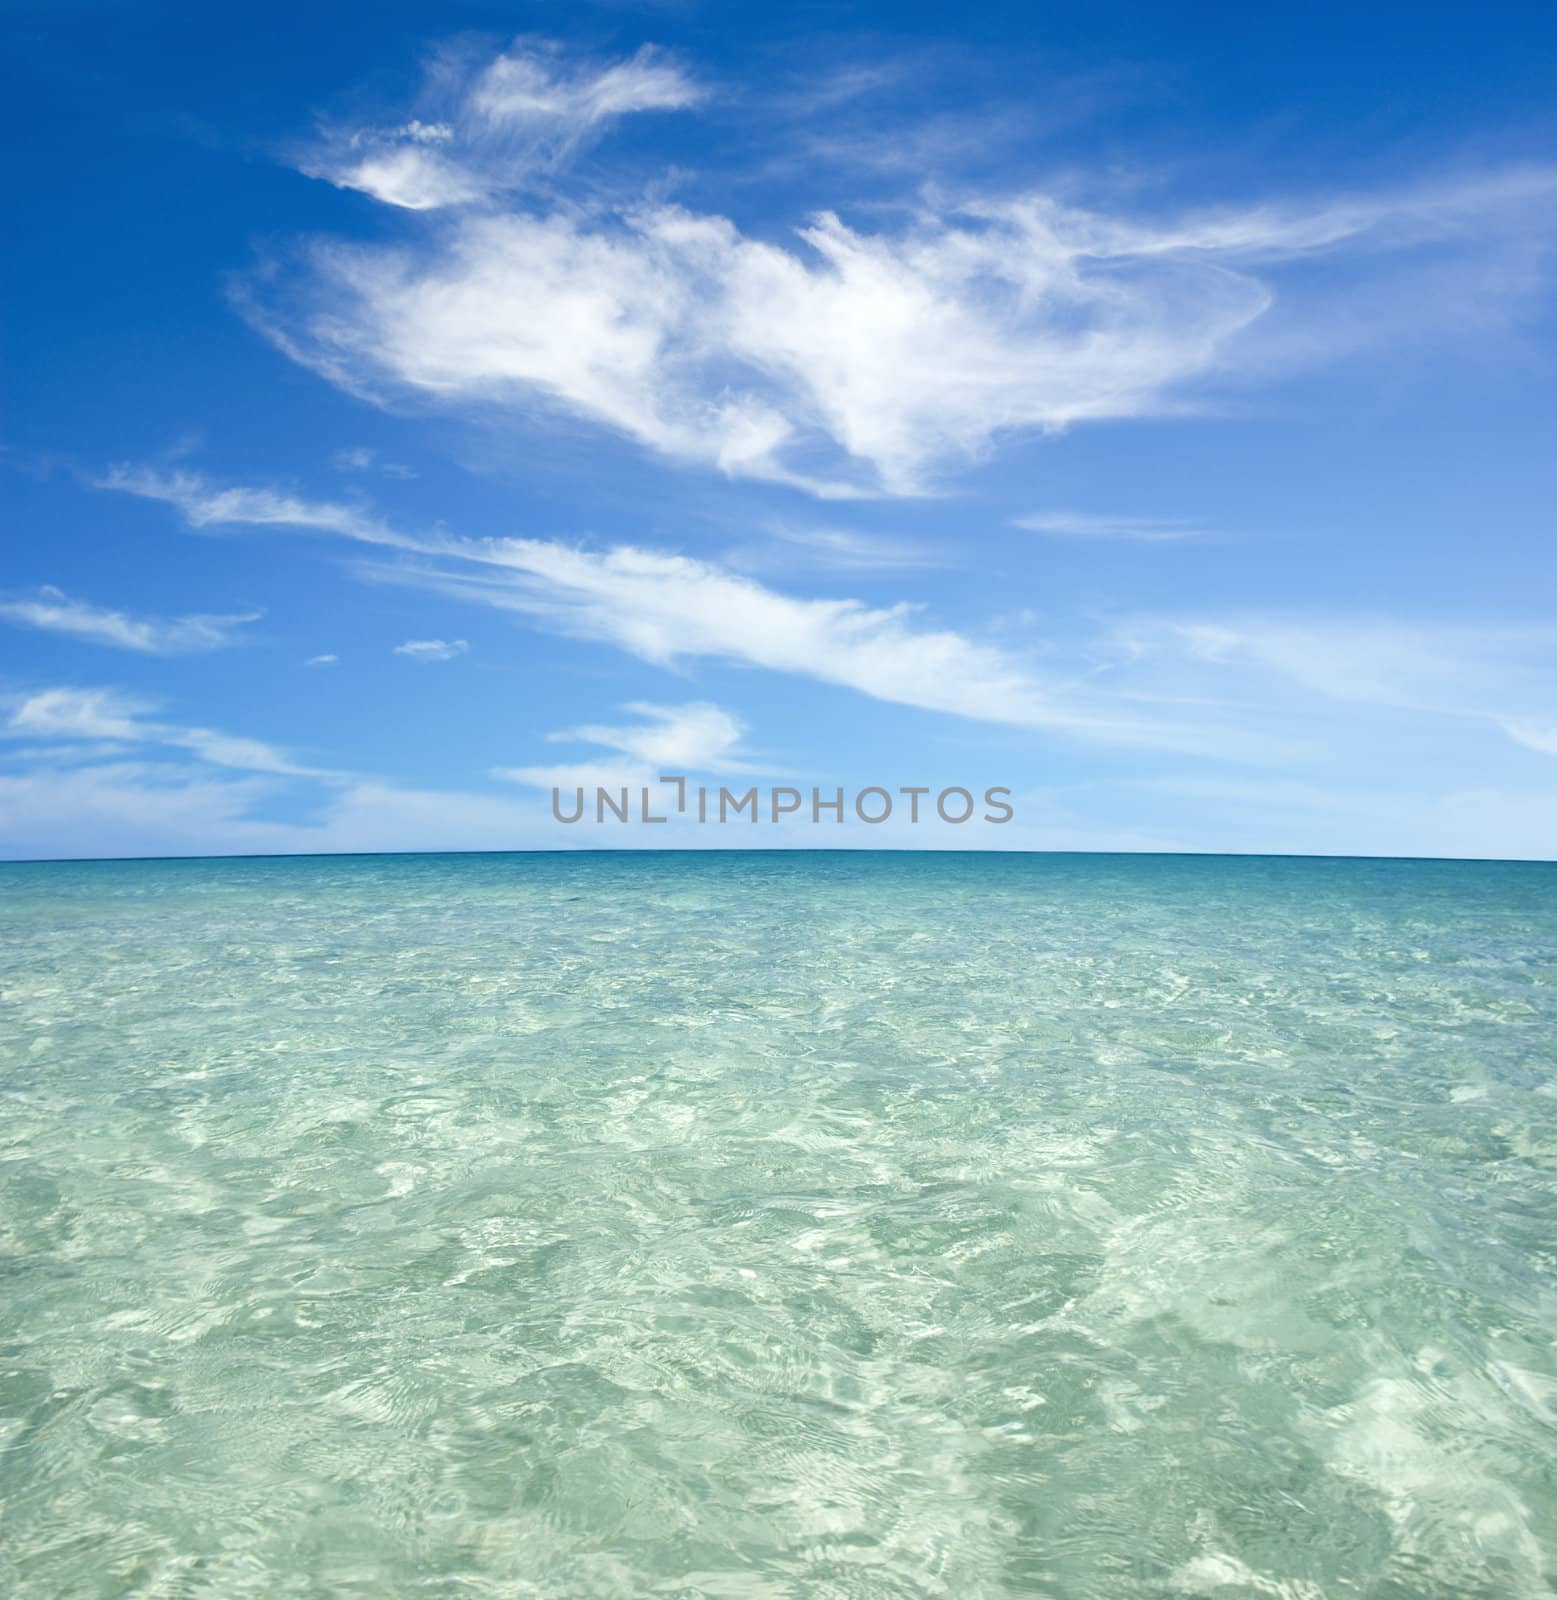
(814, 93)
(76, 714)
(204, 506)
(52, 611)
(674, 611)
(361, 459)
(670, 609)
(1091, 525)
(65, 713)
(834, 549)
(1540, 736)
(527, 86)
(354, 460)
(1505, 676)
(489, 129)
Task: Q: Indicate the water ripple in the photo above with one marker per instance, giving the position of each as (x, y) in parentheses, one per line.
(814, 1228)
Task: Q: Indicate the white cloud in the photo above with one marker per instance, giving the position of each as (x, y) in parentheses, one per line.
(74, 714)
(682, 740)
(64, 753)
(839, 359)
(140, 808)
(232, 750)
(78, 798)
(55, 612)
(1505, 676)
(530, 87)
(89, 789)
(1540, 736)
(666, 609)
(878, 358)
(321, 661)
(418, 180)
(203, 506)
(501, 126)
(1152, 683)
(128, 808)
(837, 549)
(881, 358)
(690, 738)
(120, 807)
(86, 789)
(1444, 667)
(79, 794)
(1087, 525)
(671, 609)
(361, 459)
(432, 649)
(81, 714)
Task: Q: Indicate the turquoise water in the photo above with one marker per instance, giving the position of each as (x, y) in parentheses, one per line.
(782, 1225)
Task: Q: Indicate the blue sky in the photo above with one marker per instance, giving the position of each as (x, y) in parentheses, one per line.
(1148, 409)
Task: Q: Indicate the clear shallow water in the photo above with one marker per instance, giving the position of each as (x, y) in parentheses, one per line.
(757, 1226)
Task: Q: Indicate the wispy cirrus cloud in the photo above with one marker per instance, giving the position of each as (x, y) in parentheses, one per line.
(80, 714)
(835, 549)
(1505, 675)
(852, 362)
(141, 807)
(98, 771)
(698, 737)
(687, 739)
(68, 798)
(111, 715)
(1091, 525)
(52, 611)
(361, 459)
(1444, 665)
(669, 609)
(203, 505)
(840, 359)
(485, 128)
(861, 363)
(1540, 736)
(673, 609)
(1152, 682)
(432, 649)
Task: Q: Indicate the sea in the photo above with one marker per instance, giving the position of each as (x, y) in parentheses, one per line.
(778, 1226)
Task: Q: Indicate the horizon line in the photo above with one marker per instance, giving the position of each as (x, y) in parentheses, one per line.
(774, 850)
